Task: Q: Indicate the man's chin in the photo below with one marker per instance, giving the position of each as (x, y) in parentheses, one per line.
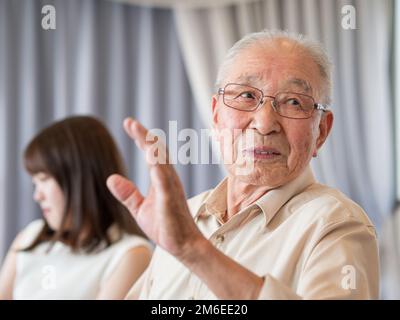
(259, 175)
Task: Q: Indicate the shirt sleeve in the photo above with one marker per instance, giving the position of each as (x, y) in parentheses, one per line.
(344, 264)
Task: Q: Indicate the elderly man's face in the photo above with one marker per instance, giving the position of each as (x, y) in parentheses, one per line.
(292, 142)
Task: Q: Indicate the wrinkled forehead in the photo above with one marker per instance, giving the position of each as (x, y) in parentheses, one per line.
(275, 69)
(287, 83)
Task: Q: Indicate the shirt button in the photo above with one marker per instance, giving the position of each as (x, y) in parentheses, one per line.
(220, 238)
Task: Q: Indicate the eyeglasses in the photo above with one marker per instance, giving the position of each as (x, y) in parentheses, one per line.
(287, 104)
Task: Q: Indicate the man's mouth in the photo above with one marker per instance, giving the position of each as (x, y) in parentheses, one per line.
(262, 152)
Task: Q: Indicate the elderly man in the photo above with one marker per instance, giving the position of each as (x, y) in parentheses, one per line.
(273, 232)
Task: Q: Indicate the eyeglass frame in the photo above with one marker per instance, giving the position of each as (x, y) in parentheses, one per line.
(316, 106)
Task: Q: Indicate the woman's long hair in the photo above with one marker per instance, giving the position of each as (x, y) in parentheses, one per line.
(80, 153)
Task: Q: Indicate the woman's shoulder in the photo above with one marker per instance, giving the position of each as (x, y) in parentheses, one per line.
(28, 234)
(121, 238)
(121, 247)
(127, 241)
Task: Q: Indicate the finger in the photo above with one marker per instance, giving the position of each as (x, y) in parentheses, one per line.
(159, 179)
(125, 192)
(138, 133)
(163, 175)
(166, 182)
(155, 149)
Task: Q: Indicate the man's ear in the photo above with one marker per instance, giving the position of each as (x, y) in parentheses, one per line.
(214, 111)
(325, 126)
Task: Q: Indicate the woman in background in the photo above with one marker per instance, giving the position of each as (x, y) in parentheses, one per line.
(86, 246)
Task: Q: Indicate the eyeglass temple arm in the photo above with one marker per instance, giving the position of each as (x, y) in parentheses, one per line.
(320, 106)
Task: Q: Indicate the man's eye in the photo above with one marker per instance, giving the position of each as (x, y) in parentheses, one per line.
(247, 95)
(293, 102)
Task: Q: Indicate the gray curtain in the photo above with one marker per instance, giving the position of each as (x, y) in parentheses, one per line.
(106, 59)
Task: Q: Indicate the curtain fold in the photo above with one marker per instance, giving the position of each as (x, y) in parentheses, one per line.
(182, 3)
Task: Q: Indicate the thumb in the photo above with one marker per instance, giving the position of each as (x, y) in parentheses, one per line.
(126, 192)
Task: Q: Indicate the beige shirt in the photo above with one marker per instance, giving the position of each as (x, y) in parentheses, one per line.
(307, 240)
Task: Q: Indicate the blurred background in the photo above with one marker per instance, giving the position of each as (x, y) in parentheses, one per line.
(156, 60)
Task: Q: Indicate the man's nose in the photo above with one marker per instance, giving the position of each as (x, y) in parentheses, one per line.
(265, 120)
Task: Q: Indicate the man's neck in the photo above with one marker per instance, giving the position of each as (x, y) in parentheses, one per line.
(241, 194)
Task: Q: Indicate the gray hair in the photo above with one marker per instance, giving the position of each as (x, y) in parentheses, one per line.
(312, 48)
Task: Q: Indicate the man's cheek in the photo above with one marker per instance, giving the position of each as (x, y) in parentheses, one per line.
(301, 141)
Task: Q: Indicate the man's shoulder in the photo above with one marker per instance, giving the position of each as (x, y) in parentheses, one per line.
(195, 202)
(328, 205)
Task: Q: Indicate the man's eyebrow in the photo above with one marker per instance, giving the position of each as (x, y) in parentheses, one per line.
(249, 78)
(299, 82)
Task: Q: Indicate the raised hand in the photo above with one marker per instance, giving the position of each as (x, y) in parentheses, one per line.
(163, 214)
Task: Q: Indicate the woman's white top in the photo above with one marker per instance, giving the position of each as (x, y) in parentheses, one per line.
(63, 274)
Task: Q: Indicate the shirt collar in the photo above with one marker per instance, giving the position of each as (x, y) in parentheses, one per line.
(270, 203)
